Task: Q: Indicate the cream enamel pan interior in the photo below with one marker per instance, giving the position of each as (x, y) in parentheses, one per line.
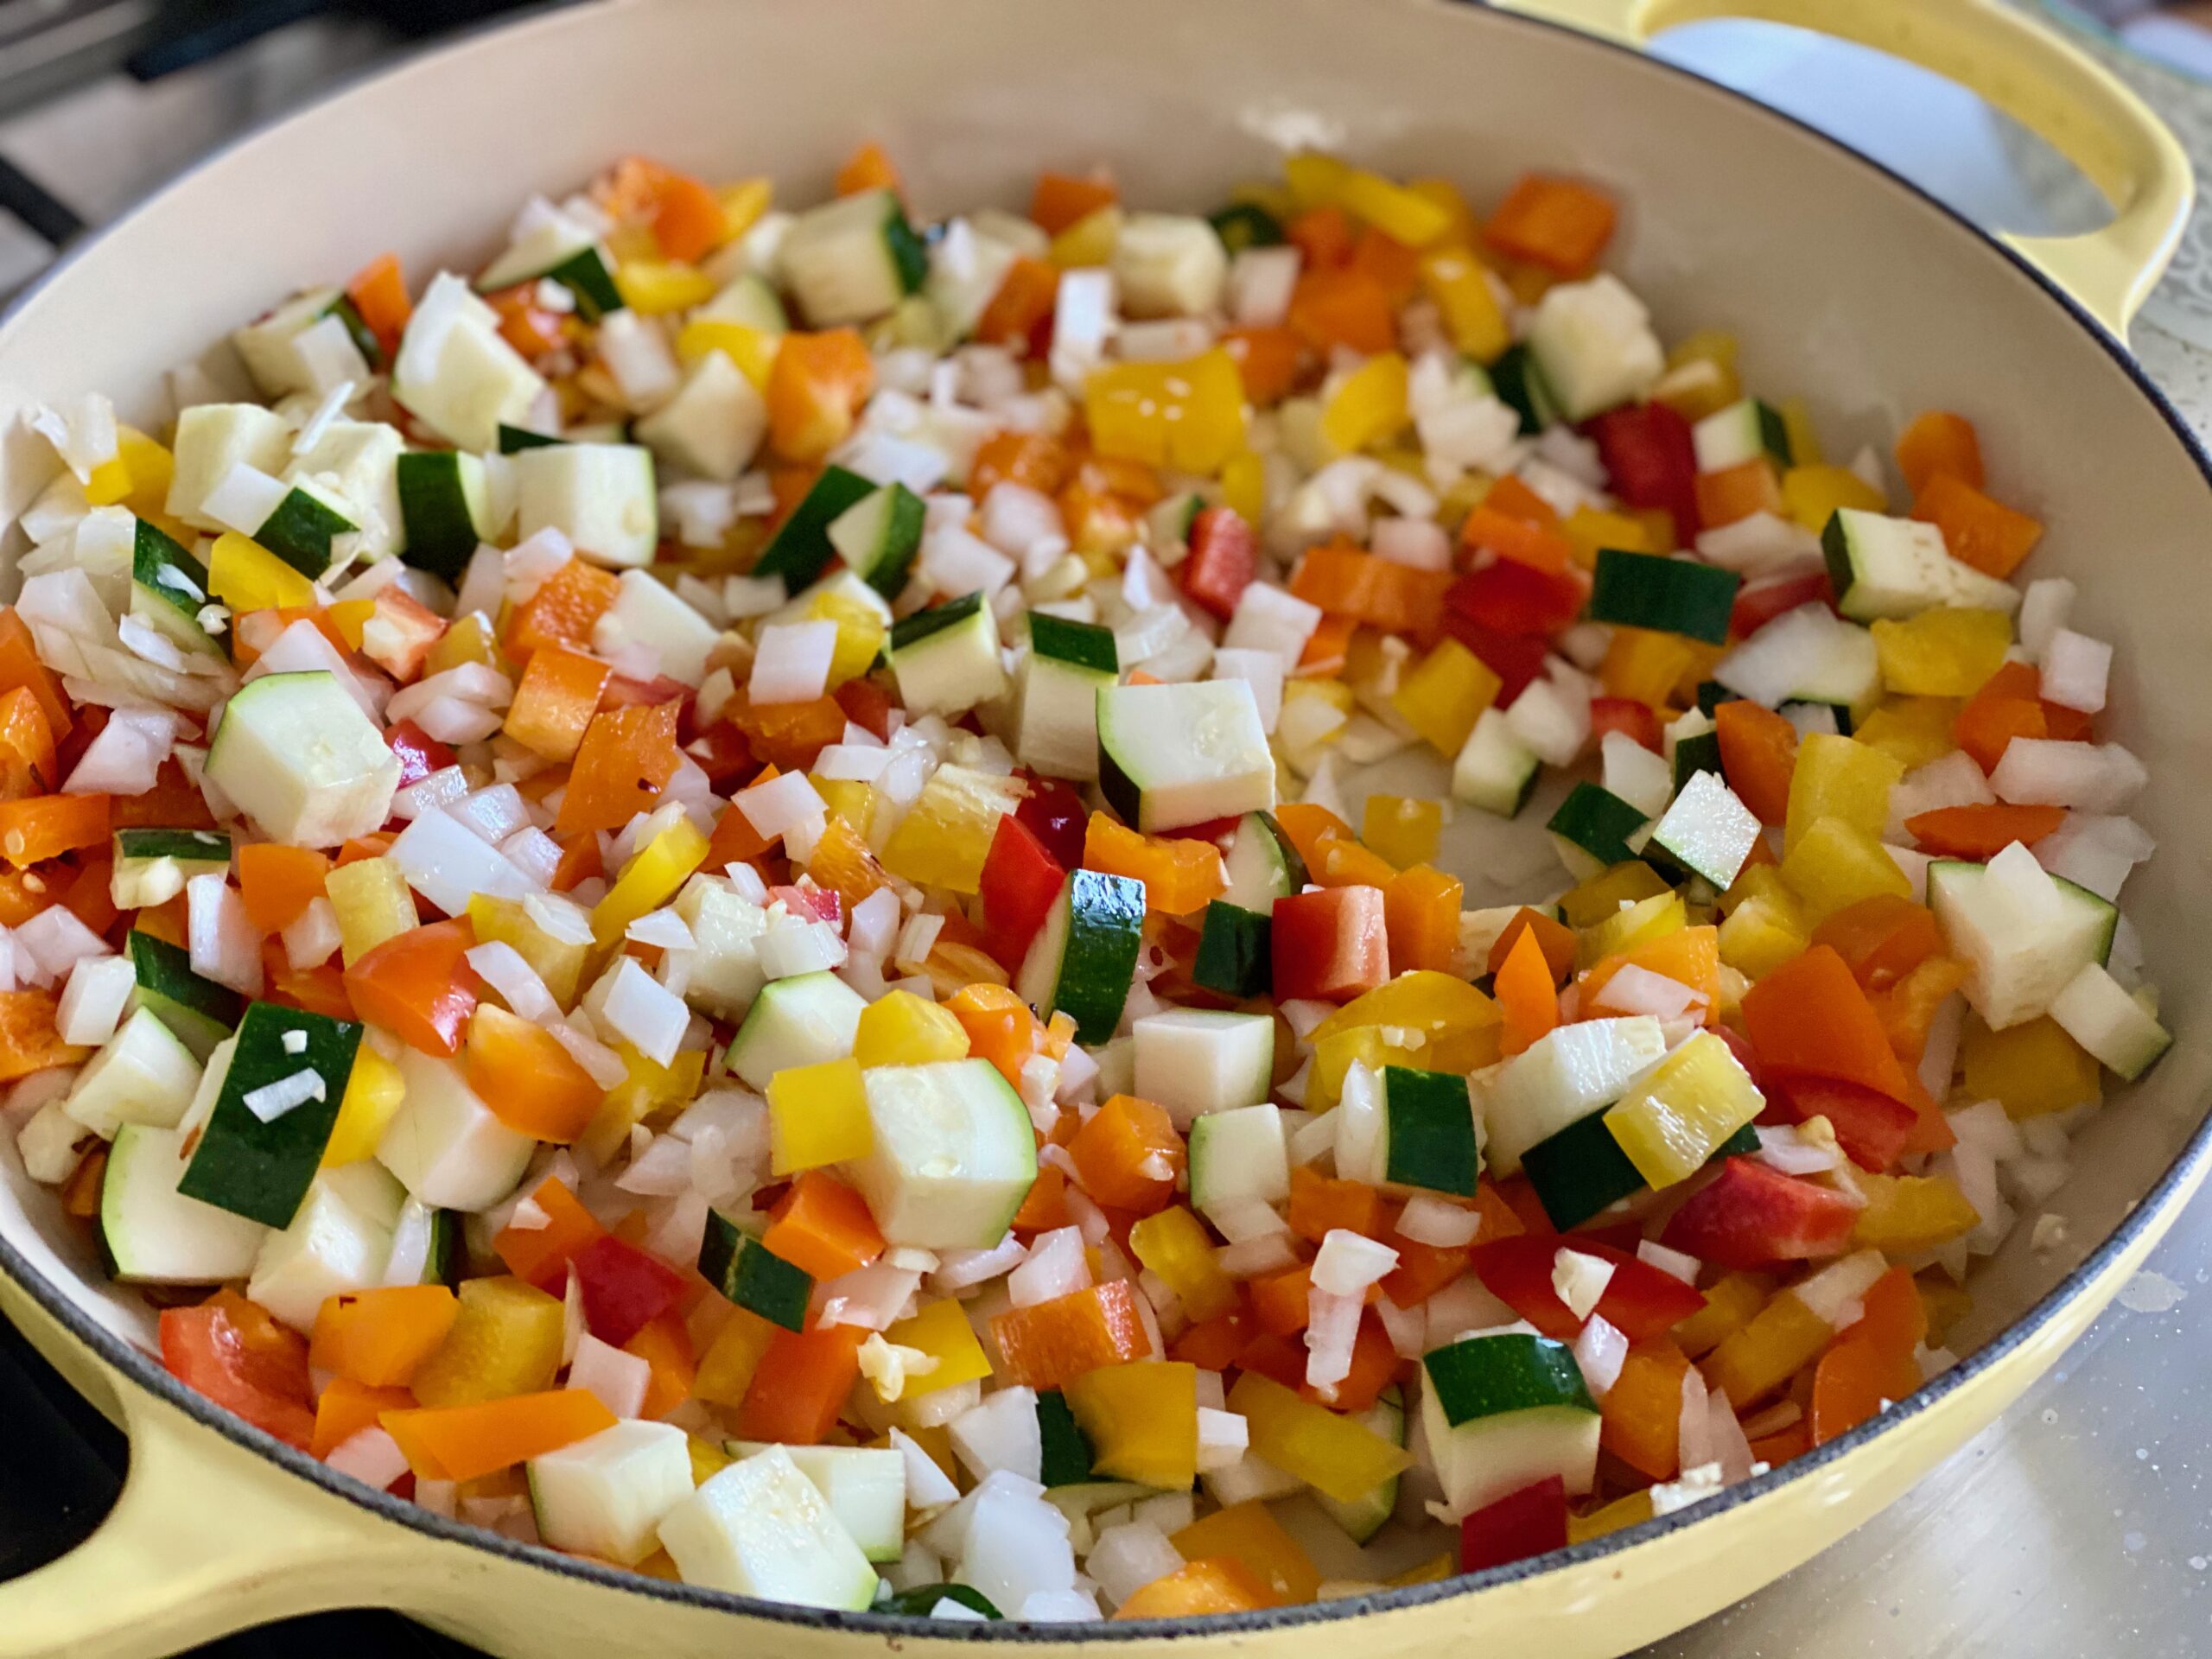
(1842, 283)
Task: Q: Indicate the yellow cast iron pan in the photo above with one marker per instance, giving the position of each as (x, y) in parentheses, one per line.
(1841, 281)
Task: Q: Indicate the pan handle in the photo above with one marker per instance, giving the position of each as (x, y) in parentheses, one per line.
(2028, 71)
(205, 1539)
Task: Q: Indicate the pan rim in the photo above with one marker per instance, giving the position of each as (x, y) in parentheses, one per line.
(2186, 1167)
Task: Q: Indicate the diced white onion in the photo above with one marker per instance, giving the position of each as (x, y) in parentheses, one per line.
(225, 946)
(1348, 1262)
(618, 1379)
(1427, 1219)
(1600, 1351)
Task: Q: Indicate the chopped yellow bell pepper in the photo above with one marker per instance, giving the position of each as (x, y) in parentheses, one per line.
(817, 1115)
(138, 474)
(1372, 1046)
(743, 204)
(1835, 864)
(849, 801)
(1244, 486)
(373, 903)
(725, 1368)
(1700, 378)
(653, 288)
(708, 1460)
(1839, 778)
(1912, 731)
(1646, 665)
(1766, 925)
(1622, 1513)
(1141, 1419)
(1591, 902)
(752, 350)
(247, 576)
(1627, 930)
(1403, 830)
(1458, 286)
(1337, 1455)
(650, 1088)
(1425, 1000)
(470, 639)
(2033, 1067)
(1804, 443)
(1400, 213)
(1783, 1337)
(1248, 1532)
(1444, 695)
(1945, 1303)
(1729, 1307)
(505, 1340)
(373, 1091)
(1459, 228)
(1188, 415)
(945, 837)
(1368, 406)
(1172, 1243)
(860, 634)
(1434, 1570)
(942, 1331)
(1088, 242)
(1812, 492)
(650, 879)
(1315, 180)
(1589, 529)
(1907, 1214)
(1673, 1118)
(903, 1029)
(1945, 652)
(559, 963)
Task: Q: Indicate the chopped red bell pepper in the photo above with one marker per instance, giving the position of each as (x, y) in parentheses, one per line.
(1650, 455)
(1517, 659)
(725, 754)
(1531, 1522)
(1224, 558)
(1021, 881)
(821, 903)
(1055, 814)
(1870, 1128)
(1750, 1215)
(1513, 598)
(420, 755)
(1639, 1301)
(1332, 944)
(1629, 717)
(418, 985)
(868, 704)
(624, 1289)
(1758, 603)
(235, 1353)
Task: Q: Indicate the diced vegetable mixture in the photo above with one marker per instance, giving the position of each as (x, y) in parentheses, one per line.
(699, 898)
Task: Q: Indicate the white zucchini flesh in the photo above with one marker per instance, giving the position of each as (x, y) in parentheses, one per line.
(713, 425)
(607, 1496)
(1594, 341)
(761, 1528)
(1170, 755)
(801, 1020)
(332, 1246)
(1561, 1078)
(303, 761)
(600, 496)
(2022, 942)
(1239, 1158)
(864, 1486)
(2112, 1025)
(143, 1074)
(726, 971)
(1483, 1460)
(156, 1236)
(954, 1154)
(445, 1145)
(211, 440)
(646, 612)
(455, 374)
(358, 462)
(1196, 1061)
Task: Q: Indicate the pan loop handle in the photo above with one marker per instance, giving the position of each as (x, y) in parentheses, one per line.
(2031, 74)
(204, 1540)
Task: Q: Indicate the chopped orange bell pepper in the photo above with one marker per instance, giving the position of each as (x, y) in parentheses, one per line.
(29, 1040)
(867, 168)
(626, 755)
(664, 1345)
(1049, 1343)
(1382, 593)
(530, 1083)
(1023, 300)
(562, 612)
(1557, 223)
(468, 1442)
(1420, 910)
(1939, 442)
(345, 1408)
(1642, 1411)
(1037, 460)
(1689, 956)
(1554, 938)
(418, 985)
(1758, 756)
(1810, 1016)
(1881, 939)
(1738, 491)
(815, 389)
(1267, 361)
(378, 292)
(1128, 1155)
(278, 883)
(378, 1337)
(801, 1384)
(28, 765)
(1526, 994)
(555, 699)
(823, 1227)
(20, 666)
(1062, 200)
(540, 1255)
(1000, 1028)
(46, 826)
(1986, 534)
(1870, 1365)
(1319, 1204)
(1179, 876)
(1337, 306)
(1212, 1585)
